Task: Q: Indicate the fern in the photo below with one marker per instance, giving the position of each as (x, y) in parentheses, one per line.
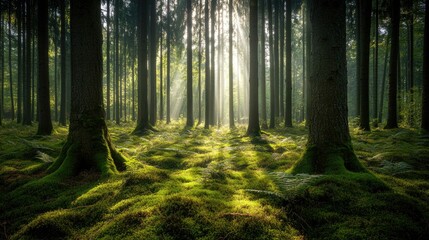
(286, 184)
(44, 157)
(393, 168)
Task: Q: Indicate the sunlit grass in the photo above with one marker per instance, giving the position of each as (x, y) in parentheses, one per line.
(192, 183)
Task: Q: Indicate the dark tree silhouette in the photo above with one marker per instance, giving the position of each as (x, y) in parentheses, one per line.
(253, 129)
(288, 109)
(329, 146)
(392, 108)
(62, 119)
(425, 94)
(45, 123)
(364, 39)
(189, 95)
(88, 145)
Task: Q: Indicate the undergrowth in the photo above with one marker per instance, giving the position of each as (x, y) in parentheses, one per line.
(215, 184)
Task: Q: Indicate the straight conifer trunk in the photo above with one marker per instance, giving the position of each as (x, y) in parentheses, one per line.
(62, 119)
(207, 114)
(392, 108)
(288, 110)
(425, 94)
(189, 94)
(253, 129)
(26, 120)
(329, 148)
(43, 99)
(231, 81)
(88, 145)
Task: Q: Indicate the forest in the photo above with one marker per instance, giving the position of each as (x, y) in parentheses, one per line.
(220, 119)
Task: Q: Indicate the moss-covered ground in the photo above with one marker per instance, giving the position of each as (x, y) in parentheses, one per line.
(215, 184)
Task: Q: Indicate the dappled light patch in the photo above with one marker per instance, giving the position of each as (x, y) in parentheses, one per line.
(217, 184)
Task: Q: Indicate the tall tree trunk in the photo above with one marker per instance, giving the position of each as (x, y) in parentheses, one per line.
(200, 23)
(308, 39)
(161, 67)
(262, 78)
(425, 92)
(189, 95)
(304, 63)
(276, 59)
(12, 105)
(88, 145)
(375, 82)
(392, 114)
(63, 63)
(143, 124)
(410, 62)
(212, 75)
(364, 39)
(207, 66)
(383, 84)
(282, 39)
(152, 62)
(107, 59)
(168, 62)
(117, 99)
(288, 112)
(33, 75)
(231, 76)
(43, 99)
(1, 65)
(358, 57)
(124, 97)
(55, 38)
(26, 120)
(329, 148)
(253, 128)
(19, 62)
(272, 68)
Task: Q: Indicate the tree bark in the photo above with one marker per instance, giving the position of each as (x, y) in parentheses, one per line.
(63, 63)
(107, 60)
(272, 68)
(19, 61)
(189, 94)
(143, 124)
(45, 123)
(168, 61)
(425, 93)
(383, 84)
(253, 129)
(288, 110)
(207, 114)
(262, 78)
(12, 105)
(88, 145)
(375, 82)
(392, 114)
(117, 99)
(1, 65)
(212, 69)
(410, 62)
(329, 148)
(152, 62)
(364, 39)
(231, 76)
(26, 120)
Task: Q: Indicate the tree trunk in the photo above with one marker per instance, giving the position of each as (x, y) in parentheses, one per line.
(207, 114)
(12, 105)
(276, 59)
(117, 99)
(288, 110)
(364, 39)
(26, 120)
(108, 59)
(55, 40)
(272, 78)
(329, 148)
(262, 78)
(375, 83)
(392, 115)
(212, 75)
(358, 57)
(231, 76)
(383, 84)
(189, 95)
(2, 66)
(43, 99)
(168, 61)
(253, 128)
(410, 63)
(88, 145)
(63, 63)
(282, 40)
(425, 92)
(143, 124)
(152, 62)
(19, 62)
(161, 68)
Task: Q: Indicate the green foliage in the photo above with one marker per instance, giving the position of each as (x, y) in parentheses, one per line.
(191, 184)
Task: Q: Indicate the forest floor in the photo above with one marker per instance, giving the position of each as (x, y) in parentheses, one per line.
(215, 184)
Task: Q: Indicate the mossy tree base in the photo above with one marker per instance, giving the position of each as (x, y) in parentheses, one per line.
(143, 129)
(328, 160)
(88, 148)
